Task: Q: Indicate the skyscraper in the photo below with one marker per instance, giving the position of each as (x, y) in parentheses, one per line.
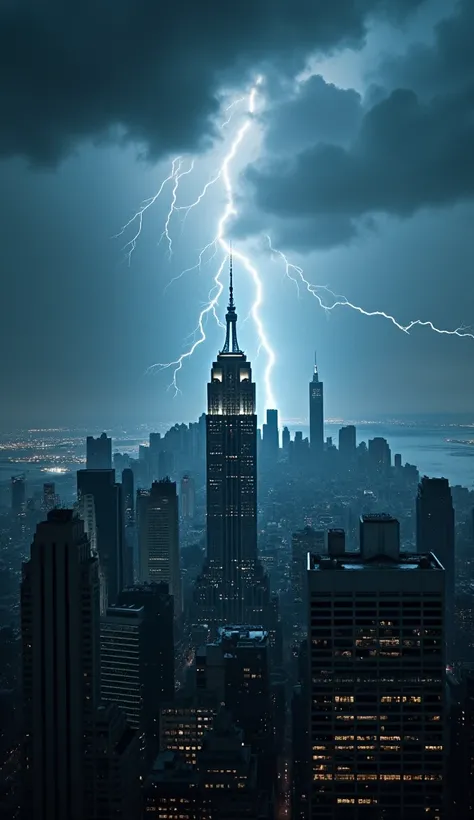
(107, 495)
(377, 680)
(158, 534)
(18, 485)
(49, 496)
(187, 497)
(61, 666)
(435, 533)
(316, 414)
(347, 443)
(122, 658)
(99, 452)
(128, 497)
(233, 582)
(270, 442)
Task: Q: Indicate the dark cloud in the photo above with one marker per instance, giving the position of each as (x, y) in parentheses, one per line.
(149, 70)
(411, 150)
(316, 112)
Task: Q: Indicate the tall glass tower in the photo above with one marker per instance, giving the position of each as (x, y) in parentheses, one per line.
(234, 580)
(316, 414)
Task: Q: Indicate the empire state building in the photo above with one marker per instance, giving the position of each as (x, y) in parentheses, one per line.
(234, 588)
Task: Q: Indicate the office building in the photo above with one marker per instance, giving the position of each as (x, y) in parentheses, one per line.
(235, 669)
(228, 775)
(270, 442)
(171, 790)
(184, 722)
(158, 536)
(302, 542)
(109, 519)
(18, 494)
(187, 497)
(157, 648)
(380, 456)
(61, 665)
(377, 680)
(347, 443)
(233, 587)
(316, 415)
(435, 533)
(122, 659)
(50, 499)
(285, 441)
(99, 452)
(112, 767)
(128, 495)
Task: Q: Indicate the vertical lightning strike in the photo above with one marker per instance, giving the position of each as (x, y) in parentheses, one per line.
(341, 301)
(221, 242)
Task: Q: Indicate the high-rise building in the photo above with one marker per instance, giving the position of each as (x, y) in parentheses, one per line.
(187, 497)
(18, 496)
(128, 495)
(435, 533)
(270, 443)
(61, 665)
(233, 587)
(49, 496)
(107, 495)
(285, 440)
(316, 414)
(380, 456)
(347, 443)
(377, 680)
(158, 535)
(99, 452)
(184, 722)
(157, 646)
(112, 767)
(302, 542)
(171, 790)
(122, 659)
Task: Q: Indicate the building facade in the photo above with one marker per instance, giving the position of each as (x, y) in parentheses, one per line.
(377, 680)
(316, 415)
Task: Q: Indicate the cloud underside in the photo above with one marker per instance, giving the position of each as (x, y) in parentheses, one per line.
(323, 182)
(150, 71)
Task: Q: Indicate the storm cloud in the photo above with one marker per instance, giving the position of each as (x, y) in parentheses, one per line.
(409, 150)
(150, 71)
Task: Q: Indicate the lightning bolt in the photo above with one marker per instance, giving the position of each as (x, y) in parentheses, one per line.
(341, 301)
(220, 242)
(174, 195)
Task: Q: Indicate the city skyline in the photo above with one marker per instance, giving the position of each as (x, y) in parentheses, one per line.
(397, 249)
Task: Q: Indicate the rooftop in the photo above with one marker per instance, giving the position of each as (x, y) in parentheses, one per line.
(356, 561)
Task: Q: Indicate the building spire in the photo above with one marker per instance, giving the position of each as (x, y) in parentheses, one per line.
(315, 372)
(231, 345)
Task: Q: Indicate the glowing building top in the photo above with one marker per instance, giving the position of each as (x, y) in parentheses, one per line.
(231, 391)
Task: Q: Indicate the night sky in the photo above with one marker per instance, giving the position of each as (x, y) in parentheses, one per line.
(359, 165)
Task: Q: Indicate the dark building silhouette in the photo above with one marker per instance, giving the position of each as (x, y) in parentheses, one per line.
(380, 457)
(158, 538)
(270, 442)
(302, 542)
(377, 680)
(61, 666)
(171, 790)
(347, 443)
(122, 661)
(99, 453)
(185, 721)
(435, 533)
(128, 495)
(109, 521)
(18, 493)
(187, 497)
(157, 680)
(112, 769)
(233, 588)
(316, 414)
(285, 440)
(49, 496)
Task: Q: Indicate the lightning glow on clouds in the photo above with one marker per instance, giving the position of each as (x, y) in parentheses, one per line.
(325, 297)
